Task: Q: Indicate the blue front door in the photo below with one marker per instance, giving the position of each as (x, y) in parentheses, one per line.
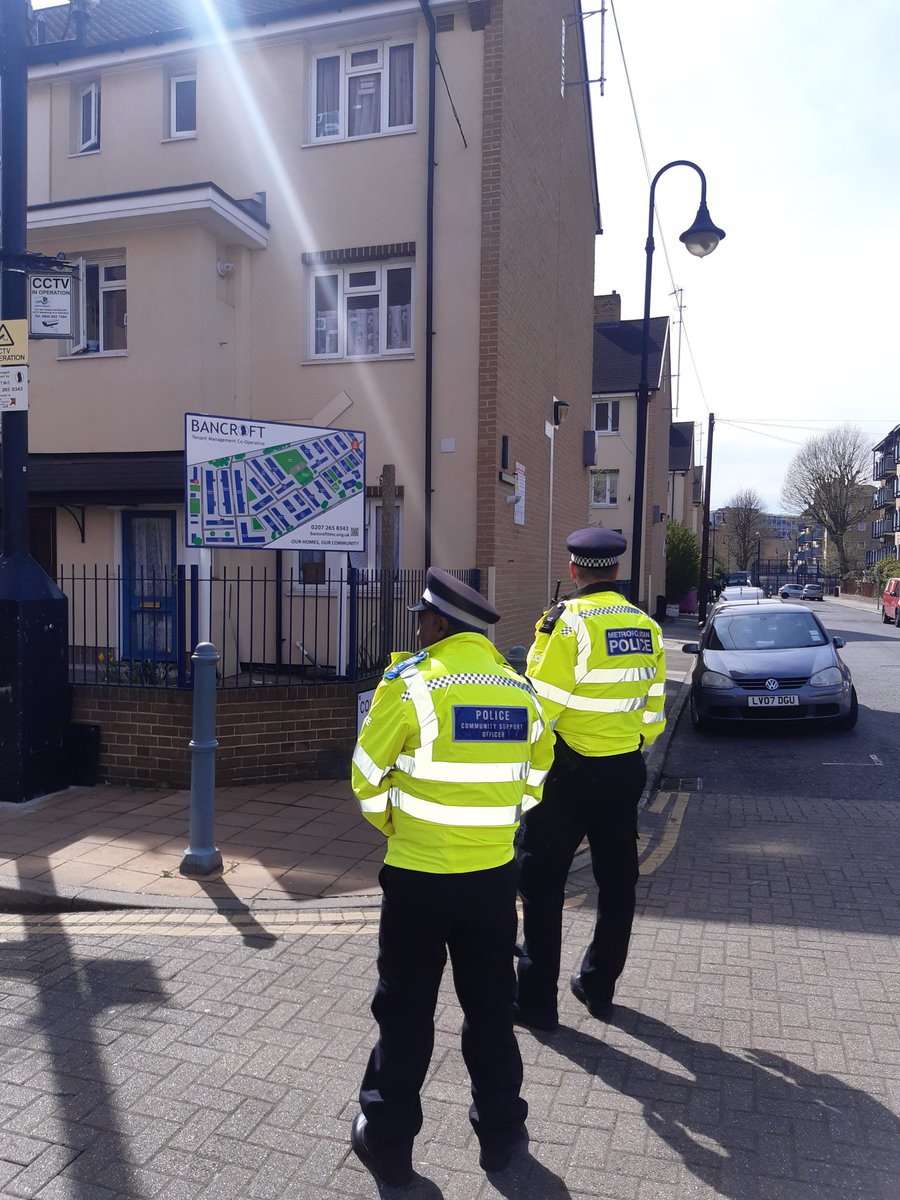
(148, 586)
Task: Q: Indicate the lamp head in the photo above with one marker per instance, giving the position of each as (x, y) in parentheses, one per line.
(702, 237)
(560, 411)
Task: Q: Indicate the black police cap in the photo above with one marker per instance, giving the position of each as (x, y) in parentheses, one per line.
(595, 547)
(449, 596)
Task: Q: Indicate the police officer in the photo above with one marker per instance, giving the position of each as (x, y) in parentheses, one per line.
(598, 665)
(454, 749)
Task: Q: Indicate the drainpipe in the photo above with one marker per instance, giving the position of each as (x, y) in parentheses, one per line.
(429, 273)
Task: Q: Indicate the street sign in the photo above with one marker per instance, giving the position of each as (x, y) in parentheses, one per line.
(50, 305)
(13, 343)
(13, 389)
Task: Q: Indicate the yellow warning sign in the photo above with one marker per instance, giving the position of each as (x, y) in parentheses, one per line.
(13, 343)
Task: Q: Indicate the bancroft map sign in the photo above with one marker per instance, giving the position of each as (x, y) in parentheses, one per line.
(260, 485)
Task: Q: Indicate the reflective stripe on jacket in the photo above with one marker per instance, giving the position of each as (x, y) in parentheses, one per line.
(454, 749)
(600, 671)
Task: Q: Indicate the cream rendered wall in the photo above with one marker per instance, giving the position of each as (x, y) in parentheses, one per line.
(616, 452)
(137, 401)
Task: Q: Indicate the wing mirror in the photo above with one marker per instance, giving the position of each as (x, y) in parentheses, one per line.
(691, 648)
(838, 643)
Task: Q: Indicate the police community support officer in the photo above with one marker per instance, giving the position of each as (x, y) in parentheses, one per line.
(598, 665)
(453, 750)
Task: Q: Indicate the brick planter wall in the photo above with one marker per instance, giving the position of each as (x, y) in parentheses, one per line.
(273, 734)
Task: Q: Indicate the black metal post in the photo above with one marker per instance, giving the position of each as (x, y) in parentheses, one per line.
(34, 686)
(704, 551)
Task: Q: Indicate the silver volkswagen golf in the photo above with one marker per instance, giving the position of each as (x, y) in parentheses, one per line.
(769, 661)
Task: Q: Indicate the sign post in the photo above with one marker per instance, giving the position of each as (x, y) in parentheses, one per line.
(34, 688)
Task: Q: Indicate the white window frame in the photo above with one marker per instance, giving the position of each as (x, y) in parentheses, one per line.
(77, 346)
(612, 418)
(345, 290)
(611, 501)
(91, 93)
(336, 570)
(346, 71)
(174, 80)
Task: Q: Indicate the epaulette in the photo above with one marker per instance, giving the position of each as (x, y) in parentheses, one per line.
(400, 667)
(551, 617)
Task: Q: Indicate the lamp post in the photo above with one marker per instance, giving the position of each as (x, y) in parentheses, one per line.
(700, 239)
(758, 544)
(560, 412)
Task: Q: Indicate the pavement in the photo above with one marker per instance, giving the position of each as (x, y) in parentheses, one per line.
(199, 1045)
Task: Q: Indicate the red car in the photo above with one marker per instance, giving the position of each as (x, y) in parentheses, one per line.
(890, 603)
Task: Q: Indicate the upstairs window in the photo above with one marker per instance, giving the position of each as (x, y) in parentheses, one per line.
(183, 106)
(363, 311)
(606, 416)
(101, 307)
(89, 118)
(363, 91)
(604, 488)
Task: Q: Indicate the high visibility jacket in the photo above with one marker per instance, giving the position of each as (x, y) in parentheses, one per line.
(599, 667)
(453, 750)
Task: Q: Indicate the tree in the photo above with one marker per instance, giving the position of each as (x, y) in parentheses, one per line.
(827, 479)
(682, 561)
(746, 523)
(884, 570)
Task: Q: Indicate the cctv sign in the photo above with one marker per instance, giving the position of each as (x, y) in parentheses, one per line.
(50, 305)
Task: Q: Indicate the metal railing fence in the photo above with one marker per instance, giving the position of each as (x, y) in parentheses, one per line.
(269, 626)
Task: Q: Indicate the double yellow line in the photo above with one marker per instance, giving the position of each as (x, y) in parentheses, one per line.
(656, 855)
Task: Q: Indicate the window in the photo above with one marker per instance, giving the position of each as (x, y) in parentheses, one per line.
(101, 307)
(363, 91)
(182, 106)
(319, 568)
(89, 118)
(363, 311)
(604, 488)
(606, 416)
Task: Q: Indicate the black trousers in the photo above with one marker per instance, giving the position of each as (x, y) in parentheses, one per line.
(595, 798)
(473, 915)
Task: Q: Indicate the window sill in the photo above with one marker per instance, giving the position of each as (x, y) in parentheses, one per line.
(92, 354)
(324, 359)
(362, 137)
(614, 504)
(606, 432)
(180, 137)
(84, 153)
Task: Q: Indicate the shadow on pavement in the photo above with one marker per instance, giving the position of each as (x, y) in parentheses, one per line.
(238, 914)
(527, 1179)
(736, 1118)
(55, 996)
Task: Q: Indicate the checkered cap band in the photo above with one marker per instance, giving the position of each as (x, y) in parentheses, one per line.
(580, 560)
(443, 681)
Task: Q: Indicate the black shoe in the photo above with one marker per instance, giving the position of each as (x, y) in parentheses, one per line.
(393, 1174)
(498, 1158)
(535, 1020)
(602, 1010)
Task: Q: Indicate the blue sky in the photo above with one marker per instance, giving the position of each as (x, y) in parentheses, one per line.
(791, 109)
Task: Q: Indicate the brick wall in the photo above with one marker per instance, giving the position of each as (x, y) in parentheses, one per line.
(265, 734)
(536, 301)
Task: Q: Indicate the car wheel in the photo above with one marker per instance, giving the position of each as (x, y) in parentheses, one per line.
(701, 724)
(885, 619)
(849, 721)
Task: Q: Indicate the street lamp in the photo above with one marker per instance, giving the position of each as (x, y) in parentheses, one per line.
(758, 542)
(700, 239)
(560, 412)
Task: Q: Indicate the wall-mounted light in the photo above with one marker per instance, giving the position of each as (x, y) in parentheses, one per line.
(224, 268)
(560, 411)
